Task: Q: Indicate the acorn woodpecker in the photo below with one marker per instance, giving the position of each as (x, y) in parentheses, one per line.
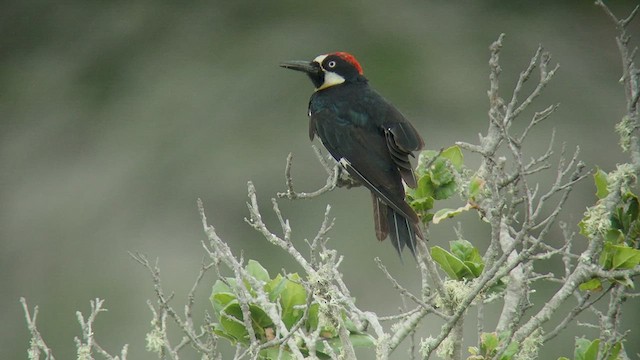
(368, 137)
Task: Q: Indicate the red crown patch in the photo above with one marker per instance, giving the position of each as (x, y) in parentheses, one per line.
(350, 59)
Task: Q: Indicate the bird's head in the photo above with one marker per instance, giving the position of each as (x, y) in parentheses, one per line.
(329, 69)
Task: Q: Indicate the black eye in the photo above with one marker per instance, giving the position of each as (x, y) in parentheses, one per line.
(332, 64)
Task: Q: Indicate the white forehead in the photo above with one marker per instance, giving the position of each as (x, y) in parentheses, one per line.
(320, 59)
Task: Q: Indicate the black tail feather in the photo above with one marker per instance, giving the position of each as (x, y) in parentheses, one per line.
(402, 232)
(380, 218)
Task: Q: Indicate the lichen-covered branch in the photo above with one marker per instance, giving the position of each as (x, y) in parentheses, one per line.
(336, 178)
(37, 344)
(85, 346)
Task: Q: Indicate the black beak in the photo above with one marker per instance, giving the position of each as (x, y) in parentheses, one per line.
(311, 68)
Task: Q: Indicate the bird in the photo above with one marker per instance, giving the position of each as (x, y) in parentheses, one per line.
(368, 137)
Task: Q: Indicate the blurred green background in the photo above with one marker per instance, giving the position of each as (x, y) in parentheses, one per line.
(117, 115)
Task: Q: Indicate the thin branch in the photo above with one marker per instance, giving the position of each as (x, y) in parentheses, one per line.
(290, 193)
(406, 292)
(186, 325)
(582, 305)
(336, 178)
(37, 342)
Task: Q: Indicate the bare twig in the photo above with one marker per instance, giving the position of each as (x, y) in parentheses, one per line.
(38, 344)
(408, 294)
(336, 178)
(85, 346)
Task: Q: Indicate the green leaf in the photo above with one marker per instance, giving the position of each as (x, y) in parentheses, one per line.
(219, 286)
(512, 347)
(619, 257)
(625, 257)
(422, 204)
(437, 182)
(632, 209)
(425, 217)
(626, 281)
(292, 295)
(358, 340)
(257, 271)
(221, 295)
(633, 235)
(454, 267)
(592, 285)
(449, 213)
(625, 216)
(259, 318)
(273, 353)
(221, 300)
(275, 287)
(586, 350)
(614, 236)
(421, 198)
(488, 343)
(475, 186)
(445, 191)
(511, 350)
(232, 328)
(455, 156)
(425, 187)
(231, 319)
(424, 158)
(600, 178)
(615, 351)
(606, 256)
(465, 251)
(475, 268)
(362, 340)
(440, 173)
(592, 350)
(220, 331)
(349, 324)
(312, 321)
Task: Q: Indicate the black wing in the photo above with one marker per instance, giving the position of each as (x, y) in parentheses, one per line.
(402, 139)
(364, 153)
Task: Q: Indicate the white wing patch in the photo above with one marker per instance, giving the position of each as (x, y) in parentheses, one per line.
(344, 163)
